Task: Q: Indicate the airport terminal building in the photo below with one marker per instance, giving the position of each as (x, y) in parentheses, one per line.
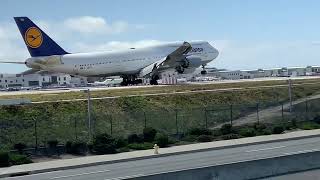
(39, 80)
(261, 73)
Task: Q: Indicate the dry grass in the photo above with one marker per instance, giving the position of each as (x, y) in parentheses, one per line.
(154, 90)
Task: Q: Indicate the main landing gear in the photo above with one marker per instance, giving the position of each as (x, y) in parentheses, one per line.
(130, 80)
(154, 79)
(180, 69)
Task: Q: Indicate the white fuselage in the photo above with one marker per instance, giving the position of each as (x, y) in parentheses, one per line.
(125, 62)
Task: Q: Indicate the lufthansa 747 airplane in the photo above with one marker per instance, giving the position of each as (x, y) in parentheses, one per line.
(130, 64)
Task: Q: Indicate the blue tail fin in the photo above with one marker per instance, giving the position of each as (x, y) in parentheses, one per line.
(38, 42)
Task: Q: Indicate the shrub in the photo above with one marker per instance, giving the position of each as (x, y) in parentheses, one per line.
(162, 140)
(288, 126)
(4, 159)
(226, 129)
(142, 146)
(90, 147)
(204, 138)
(199, 131)
(68, 147)
(189, 138)
(104, 144)
(52, 143)
(123, 149)
(217, 132)
(134, 138)
(230, 136)
(259, 127)
(173, 140)
(17, 159)
(294, 123)
(149, 134)
(247, 132)
(53, 147)
(266, 132)
(19, 147)
(310, 125)
(78, 147)
(121, 142)
(317, 119)
(277, 130)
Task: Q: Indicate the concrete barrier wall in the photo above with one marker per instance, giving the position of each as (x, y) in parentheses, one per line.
(245, 170)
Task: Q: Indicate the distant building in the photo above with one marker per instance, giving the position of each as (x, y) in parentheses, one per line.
(313, 70)
(297, 71)
(38, 80)
(261, 73)
(276, 72)
(235, 74)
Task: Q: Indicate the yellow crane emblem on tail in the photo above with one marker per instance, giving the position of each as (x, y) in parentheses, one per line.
(33, 37)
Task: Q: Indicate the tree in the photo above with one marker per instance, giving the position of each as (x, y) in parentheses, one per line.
(104, 144)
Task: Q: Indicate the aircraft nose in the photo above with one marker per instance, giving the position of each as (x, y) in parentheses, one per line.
(215, 53)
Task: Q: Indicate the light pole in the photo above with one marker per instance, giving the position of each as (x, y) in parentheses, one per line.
(89, 110)
(290, 94)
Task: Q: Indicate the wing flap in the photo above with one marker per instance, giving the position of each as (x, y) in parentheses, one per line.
(152, 68)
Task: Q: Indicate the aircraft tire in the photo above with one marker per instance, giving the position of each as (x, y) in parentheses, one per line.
(204, 72)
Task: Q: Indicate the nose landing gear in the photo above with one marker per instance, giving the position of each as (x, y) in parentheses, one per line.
(203, 72)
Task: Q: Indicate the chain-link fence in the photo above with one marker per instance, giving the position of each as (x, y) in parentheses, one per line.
(35, 129)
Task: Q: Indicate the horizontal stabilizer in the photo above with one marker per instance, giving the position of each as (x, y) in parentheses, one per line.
(12, 62)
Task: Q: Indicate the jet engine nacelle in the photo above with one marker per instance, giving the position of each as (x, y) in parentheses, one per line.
(43, 62)
(190, 63)
(194, 61)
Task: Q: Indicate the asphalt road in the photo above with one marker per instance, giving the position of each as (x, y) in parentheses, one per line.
(305, 175)
(137, 168)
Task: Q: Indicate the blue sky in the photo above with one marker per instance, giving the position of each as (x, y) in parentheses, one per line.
(249, 33)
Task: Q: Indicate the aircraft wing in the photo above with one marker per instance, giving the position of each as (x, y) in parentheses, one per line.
(176, 56)
(172, 60)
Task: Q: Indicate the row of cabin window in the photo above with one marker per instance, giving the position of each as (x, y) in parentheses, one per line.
(81, 65)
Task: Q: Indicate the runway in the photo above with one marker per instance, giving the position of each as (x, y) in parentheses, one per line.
(103, 88)
(131, 169)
